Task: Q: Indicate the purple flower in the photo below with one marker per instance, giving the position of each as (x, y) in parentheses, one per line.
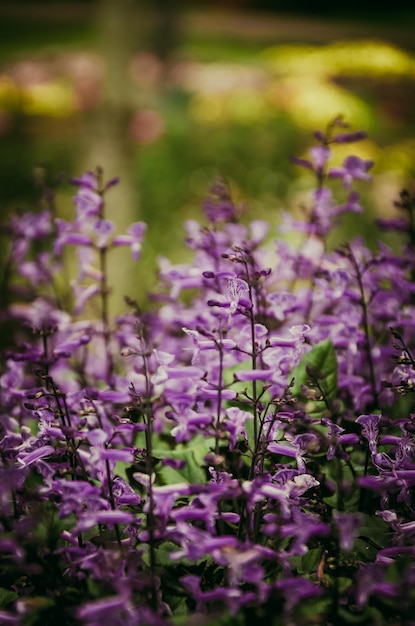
(87, 261)
(353, 168)
(235, 424)
(370, 429)
(302, 528)
(281, 304)
(237, 289)
(133, 239)
(394, 223)
(350, 137)
(103, 229)
(66, 346)
(319, 157)
(27, 458)
(110, 611)
(200, 343)
(347, 525)
(219, 207)
(296, 589)
(87, 200)
(94, 440)
(189, 422)
(30, 226)
(232, 598)
(82, 295)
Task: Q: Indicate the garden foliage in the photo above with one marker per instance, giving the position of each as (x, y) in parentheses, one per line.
(240, 452)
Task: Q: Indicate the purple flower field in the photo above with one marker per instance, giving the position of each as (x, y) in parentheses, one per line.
(242, 450)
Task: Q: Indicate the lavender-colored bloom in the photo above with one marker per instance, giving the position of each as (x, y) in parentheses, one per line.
(189, 421)
(27, 458)
(117, 454)
(87, 200)
(257, 374)
(103, 229)
(109, 611)
(395, 223)
(89, 439)
(353, 168)
(338, 438)
(350, 137)
(296, 589)
(124, 494)
(235, 424)
(199, 343)
(258, 231)
(232, 598)
(219, 207)
(39, 271)
(68, 235)
(237, 289)
(87, 264)
(285, 449)
(282, 303)
(302, 528)
(371, 581)
(352, 205)
(370, 429)
(67, 346)
(133, 239)
(388, 555)
(112, 517)
(82, 295)
(319, 156)
(287, 493)
(8, 619)
(347, 525)
(31, 226)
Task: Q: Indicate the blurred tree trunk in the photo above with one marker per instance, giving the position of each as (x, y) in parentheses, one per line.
(166, 28)
(123, 26)
(108, 142)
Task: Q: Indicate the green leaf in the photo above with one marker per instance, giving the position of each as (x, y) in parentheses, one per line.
(229, 373)
(243, 386)
(368, 615)
(374, 534)
(311, 560)
(312, 610)
(37, 607)
(317, 370)
(193, 453)
(7, 597)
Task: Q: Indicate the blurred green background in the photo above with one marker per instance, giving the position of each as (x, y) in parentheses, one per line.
(168, 94)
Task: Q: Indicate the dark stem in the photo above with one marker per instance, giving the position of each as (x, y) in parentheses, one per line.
(151, 522)
(111, 500)
(104, 293)
(366, 328)
(220, 384)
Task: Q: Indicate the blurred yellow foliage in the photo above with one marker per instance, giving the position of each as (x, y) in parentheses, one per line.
(9, 93)
(55, 99)
(367, 58)
(300, 84)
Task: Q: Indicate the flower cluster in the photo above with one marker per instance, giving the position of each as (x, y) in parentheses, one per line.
(243, 450)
